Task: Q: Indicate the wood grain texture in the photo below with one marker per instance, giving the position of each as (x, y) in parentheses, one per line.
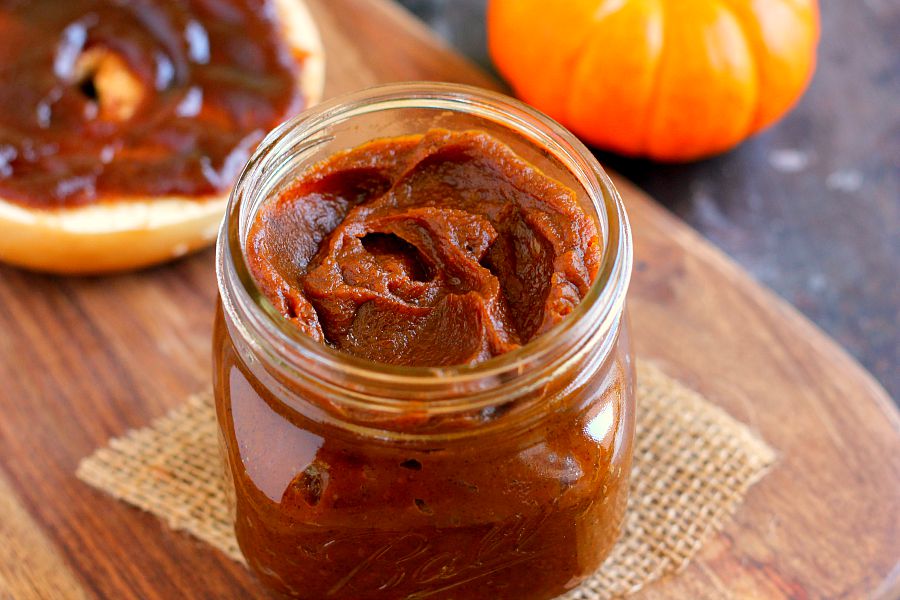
(30, 566)
(84, 359)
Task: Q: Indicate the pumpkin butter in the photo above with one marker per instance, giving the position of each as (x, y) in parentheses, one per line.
(437, 249)
(111, 101)
(485, 475)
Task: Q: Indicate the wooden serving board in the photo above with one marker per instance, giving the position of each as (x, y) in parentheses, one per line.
(85, 359)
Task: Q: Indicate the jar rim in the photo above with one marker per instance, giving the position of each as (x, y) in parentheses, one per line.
(285, 344)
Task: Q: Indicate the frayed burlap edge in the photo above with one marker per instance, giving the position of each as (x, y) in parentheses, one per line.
(693, 464)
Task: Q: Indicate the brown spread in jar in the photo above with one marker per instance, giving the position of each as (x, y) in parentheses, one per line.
(436, 249)
(110, 100)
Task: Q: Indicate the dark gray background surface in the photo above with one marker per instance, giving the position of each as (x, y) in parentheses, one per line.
(810, 207)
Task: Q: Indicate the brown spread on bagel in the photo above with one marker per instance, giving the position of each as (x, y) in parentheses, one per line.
(105, 100)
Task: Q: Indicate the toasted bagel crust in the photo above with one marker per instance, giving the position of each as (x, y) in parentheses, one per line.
(138, 232)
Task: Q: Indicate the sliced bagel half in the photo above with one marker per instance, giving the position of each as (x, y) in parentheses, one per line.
(116, 235)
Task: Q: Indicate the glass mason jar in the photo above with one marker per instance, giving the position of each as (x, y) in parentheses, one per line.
(352, 479)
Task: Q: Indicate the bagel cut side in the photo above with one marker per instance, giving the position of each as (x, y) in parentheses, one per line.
(133, 232)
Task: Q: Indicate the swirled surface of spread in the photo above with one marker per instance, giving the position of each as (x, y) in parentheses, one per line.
(105, 100)
(436, 249)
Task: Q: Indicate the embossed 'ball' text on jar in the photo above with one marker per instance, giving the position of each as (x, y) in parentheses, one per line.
(353, 479)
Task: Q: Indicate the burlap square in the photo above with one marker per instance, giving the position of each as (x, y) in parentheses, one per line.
(692, 466)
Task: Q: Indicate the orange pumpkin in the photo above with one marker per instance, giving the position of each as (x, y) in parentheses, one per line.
(671, 80)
